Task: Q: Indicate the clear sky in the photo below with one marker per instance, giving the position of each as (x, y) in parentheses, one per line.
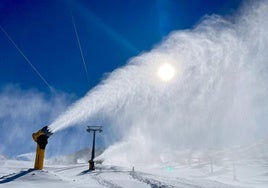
(110, 32)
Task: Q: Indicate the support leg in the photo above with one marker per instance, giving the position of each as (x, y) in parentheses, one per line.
(39, 158)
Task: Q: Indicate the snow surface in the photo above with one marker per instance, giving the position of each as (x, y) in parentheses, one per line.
(247, 173)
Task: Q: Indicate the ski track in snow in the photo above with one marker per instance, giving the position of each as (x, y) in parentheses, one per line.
(105, 183)
(152, 182)
(161, 182)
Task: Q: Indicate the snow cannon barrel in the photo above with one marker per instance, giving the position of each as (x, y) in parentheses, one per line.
(40, 137)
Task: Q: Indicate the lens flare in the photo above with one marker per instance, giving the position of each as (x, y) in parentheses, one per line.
(166, 72)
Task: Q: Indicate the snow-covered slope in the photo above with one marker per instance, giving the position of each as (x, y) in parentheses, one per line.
(242, 173)
(81, 156)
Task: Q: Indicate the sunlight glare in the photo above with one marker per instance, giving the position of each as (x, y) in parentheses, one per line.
(166, 72)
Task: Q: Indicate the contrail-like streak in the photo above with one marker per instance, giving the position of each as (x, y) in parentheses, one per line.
(79, 44)
(27, 60)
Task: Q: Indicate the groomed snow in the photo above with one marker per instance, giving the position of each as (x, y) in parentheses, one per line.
(251, 173)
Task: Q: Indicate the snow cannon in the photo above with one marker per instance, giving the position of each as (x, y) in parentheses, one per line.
(40, 137)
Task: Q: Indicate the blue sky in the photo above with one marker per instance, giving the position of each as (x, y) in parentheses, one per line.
(110, 33)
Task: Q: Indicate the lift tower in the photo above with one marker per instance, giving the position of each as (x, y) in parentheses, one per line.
(93, 129)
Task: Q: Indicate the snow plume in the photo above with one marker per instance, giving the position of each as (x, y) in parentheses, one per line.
(23, 112)
(217, 99)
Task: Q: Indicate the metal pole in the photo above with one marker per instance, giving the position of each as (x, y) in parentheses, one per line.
(94, 129)
(93, 146)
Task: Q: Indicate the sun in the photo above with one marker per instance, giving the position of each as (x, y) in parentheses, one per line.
(166, 72)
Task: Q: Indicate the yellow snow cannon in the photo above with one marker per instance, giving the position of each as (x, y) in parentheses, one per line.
(40, 137)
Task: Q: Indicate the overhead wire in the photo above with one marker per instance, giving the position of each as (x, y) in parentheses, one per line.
(25, 57)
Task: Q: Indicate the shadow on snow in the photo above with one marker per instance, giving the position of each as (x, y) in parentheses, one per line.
(14, 176)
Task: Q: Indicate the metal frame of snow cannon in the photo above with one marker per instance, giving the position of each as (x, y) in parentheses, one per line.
(40, 137)
(93, 129)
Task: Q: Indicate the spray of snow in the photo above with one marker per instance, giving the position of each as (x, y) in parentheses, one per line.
(25, 111)
(217, 96)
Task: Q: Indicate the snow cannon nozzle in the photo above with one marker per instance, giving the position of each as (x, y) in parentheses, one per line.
(47, 131)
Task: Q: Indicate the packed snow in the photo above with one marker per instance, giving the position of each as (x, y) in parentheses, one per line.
(193, 173)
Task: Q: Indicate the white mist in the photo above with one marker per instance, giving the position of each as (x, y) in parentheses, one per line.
(215, 99)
